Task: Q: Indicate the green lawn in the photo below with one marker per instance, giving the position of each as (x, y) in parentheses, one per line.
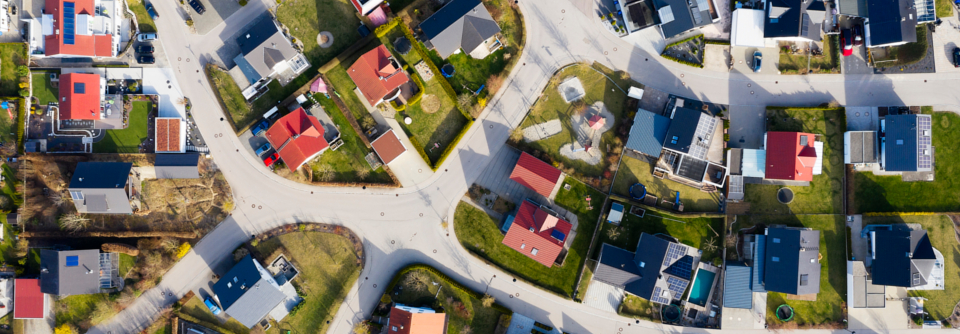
(79, 309)
(940, 230)
(344, 86)
(696, 232)
(43, 89)
(551, 106)
(144, 21)
(232, 98)
(826, 63)
(824, 194)
(195, 308)
(9, 189)
(11, 55)
(328, 269)
(127, 140)
(8, 126)
(127, 262)
(905, 54)
(633, 171)
(638, 308)
(348, 161)
(828, 308)
(944, 8)
(885, 193)
(792, 64)
(479, 233)
(474, 319)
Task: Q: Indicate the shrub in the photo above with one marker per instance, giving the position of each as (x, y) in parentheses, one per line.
(24, 93)
(65, 329)
(23, 70)
(183, 250)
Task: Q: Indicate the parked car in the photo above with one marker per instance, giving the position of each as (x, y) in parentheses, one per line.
(152, 36)
(260, 127)
(858, 35)
(197, 6)
(263, 149)
(145, 48)
(152, 11)
(146, 59)
(956, 57)
(271, 159)
(757, 59)
(212, 306)
(846, 40)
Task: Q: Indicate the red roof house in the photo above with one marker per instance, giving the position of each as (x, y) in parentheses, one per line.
(69, 37)
(167, 134)
(365, 6)
(80, 96)
(537, 234)
(790, 156)
(535, 174)
(415, 320)
(388, 146)
(27, 299)
(378, 75)
(297, 137)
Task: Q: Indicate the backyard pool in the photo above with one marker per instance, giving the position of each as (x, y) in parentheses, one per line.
(702, 284)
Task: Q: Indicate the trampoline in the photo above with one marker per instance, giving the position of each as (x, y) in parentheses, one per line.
(447, 70)
(402, 45)
(785, 195)
(671, 313)
(638, 191)
(784, 312)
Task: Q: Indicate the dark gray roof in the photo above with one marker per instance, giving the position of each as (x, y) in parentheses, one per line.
(891, 21)
(903, 257)
(263, 45)
(862, 147)
(648, 259)
(247, 292)
(683, 127)
(686, 15)
(736, 159)
(794, 18)
(100, 175)
(647, 133)
(791, 264)
(736, 286)
(852, 7)
(177, 166)
(57, 278)
(900, 143)
(616, 266)
(459, 24)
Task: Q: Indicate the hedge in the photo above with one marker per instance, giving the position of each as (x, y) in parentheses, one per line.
(807, 108)
(112, 65)
(683, 41)
(212, 326)
(893, 214)
(21, 123)
(618, 198)
(685, 62)
(416, 144)
(446, 279)
(452, 145)
(716, 42)
(416, 97)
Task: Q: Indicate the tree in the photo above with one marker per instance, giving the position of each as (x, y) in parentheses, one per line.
(239, 254)
(487, 300)
(57, 198)
(465, 100)
(358, 328)
(73, 222)
(368, 122)
(416, 280)
(24, 92)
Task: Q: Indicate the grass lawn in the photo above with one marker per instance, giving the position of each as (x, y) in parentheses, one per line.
(638, 308)
(792, 64)
(944, 8)
(230, 94)
(824, 194)
(195, 308)
(941, 233)
(328, 269)
(43, 89)
(905, 54)
(348, 161)
(474, 319)
(78, 309)
(127, 140)
(8, 126)
(126, 263)
(696, 232)
(829, 62)
(11, 55)
(479, 233)
(144, 21)
(634, 170)
(828, 308)
(344, 86)
(885, 193)
(551, 106)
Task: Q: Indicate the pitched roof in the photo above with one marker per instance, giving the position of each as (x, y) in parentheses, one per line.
(690, 132)
(298, 137)
(167, 134)
(377, 75)
(791, 262)
(736, 286)
(80, 96)
(535, 174)
(891, 21)
(679, 16)
(535, 229)
(28, 301)
(100, 175)
(648, 132)
(900, 145)
(902, 257)
(659, 270)
(459, 24)
(80, 44)
(616, 266)
(73, 272)
(407, 322)
(264, 45)
(790, 156)
(852, 7)
(177, 166)
(247, 292)
(388, 146)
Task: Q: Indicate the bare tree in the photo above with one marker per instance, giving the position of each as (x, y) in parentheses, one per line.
(73, 222)
(361, 328)
(325, 173)
(465, 100)
(487, 300)
(57, 198)
(416, 281)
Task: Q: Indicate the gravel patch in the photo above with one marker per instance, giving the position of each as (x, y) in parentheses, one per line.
(542, 131)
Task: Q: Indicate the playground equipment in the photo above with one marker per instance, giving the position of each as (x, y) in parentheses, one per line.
(784, 312)
(447, 70)
(677, 205)
(638, 191)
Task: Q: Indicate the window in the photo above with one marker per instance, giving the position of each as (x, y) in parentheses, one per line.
(79, 88)
(776, 240)
(803, 140)
(899, 141)
(77, 195)
(804, 280)
(73, 261)
(534, 251)
(229, 285)
(674, 140)
(776, 259)
(523, 246)
(774, 20)
(642, 264)
(916, 278)
(394, 328)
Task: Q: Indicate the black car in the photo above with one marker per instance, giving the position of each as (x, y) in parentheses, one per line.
(145, 48)
(197, 6)
(956, 57)
(146, 59)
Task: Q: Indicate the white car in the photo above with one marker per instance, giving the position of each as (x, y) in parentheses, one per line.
(147, 37)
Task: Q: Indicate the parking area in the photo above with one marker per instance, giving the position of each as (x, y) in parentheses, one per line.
(945, 40)
(742, 58)
(159, 56)
(855, 63)
(862, 119)
(215, 12)
(13, 13)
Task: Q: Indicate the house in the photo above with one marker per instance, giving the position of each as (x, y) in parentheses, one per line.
(80, 96)
(791, 262)
(736, 286)
(170, 135)
(378, 76)
(692, 149)
(462, 25)
(388, 147)
(535, 174)
(298, 138)
(616, 213)
(366, 6)
(248, 292)
(659, 270)
(266, 53)
(102, 187)
(647, 133)
(890, 23)
(906, 143)
(794, 20)
(76, 28)
(679, 16)
(28, 301)
(638, 15)
(77, 272)
(177, 166)
(415, 320)
(747, 28)
(792, 156)
(860, 147)
(905, 257)
(537, 233)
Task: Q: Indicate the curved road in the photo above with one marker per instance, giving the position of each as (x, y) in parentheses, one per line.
(403, 226)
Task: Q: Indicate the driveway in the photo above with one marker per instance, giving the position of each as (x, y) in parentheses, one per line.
(216, 12)
(743, 60)
(747, 125)
(862, 119)
(945, 40)
(716, 58)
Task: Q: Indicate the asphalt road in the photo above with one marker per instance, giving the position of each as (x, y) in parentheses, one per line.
(403, 226)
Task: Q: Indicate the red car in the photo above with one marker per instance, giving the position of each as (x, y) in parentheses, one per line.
(846, 41)
(271, 159)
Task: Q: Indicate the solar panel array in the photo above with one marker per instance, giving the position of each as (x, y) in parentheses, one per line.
(923, 143)
(558, 235)
(69, 18)
(674, 252)
(677, 286)
(682, 268)
(703, 136)
(656, 298)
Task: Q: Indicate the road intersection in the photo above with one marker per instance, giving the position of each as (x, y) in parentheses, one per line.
(403, 226)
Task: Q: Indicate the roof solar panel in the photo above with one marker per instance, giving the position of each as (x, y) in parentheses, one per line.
(69, 16)
(558, 235)
(73, 261)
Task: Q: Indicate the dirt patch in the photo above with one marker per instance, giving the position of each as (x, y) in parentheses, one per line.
(430, 103)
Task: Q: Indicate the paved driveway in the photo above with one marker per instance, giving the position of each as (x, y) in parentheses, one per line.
(945, 40)
(216, 12)
(743, 60)
(747, 125)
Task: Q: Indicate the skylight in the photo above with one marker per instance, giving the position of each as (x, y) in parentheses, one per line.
(79, 88)
(69, 18)
(73, 261)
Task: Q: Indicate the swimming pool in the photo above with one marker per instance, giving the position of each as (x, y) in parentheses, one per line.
(701, 287)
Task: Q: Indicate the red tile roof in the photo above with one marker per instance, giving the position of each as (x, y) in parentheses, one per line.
(75, 105)
(27, 299)
(84, 45)
(298, 137)
(376, 75)
(532, 229)
(787, 159)
(416, 323)
(168, 134)
(388, 146)
(535, 174)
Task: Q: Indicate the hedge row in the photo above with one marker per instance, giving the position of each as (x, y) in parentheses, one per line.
(683, 41)
(446, 279)
(423, 154)
(618, 198)
(21, 123)
(685, 62)
(894, 214)
(716, 42)
(452, 145)
(433, 67)
(416, 98)
(807, 108)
